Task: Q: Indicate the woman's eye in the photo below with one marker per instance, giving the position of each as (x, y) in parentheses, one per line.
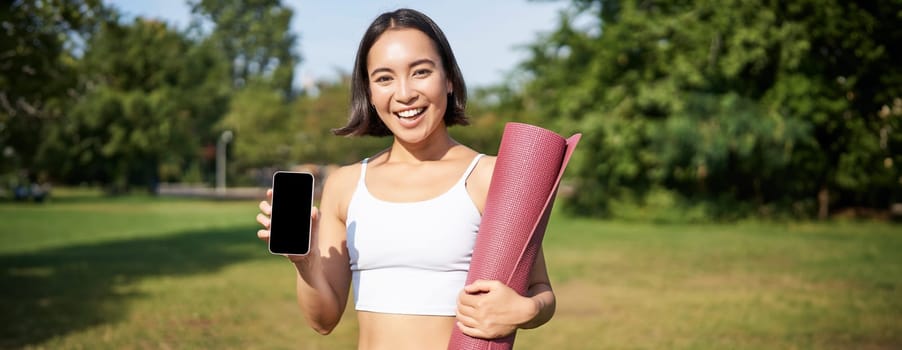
(382, 79)
(422, 72)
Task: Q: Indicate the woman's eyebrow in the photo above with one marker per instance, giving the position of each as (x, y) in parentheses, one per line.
(422, 61)
(380, 70)
(412, 64)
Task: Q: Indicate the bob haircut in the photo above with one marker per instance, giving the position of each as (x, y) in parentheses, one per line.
(363, 119)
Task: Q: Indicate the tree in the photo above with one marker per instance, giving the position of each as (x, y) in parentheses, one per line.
(143, 106)
(270, 133)
(255, 36)
(488, 110)
(759, 105)
(328, 109)
(259, 119)
(37, 70)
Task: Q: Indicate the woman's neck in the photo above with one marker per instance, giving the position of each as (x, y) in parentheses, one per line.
(435, 148)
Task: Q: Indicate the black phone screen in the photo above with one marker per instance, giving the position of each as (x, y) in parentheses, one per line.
(292, 199)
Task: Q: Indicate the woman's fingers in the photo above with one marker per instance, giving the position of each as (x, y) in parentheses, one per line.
(472, 331)
(481, 286)
(467, 300)
(265, 208)
(263, 220)
(467, 320)
(314, 219)
(263, 216)
(263, 235)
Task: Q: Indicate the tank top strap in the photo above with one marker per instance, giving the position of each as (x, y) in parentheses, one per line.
(470, 168)
(362, 180)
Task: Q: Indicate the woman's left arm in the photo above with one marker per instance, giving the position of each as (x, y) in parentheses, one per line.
(491, 309)
(541, 293)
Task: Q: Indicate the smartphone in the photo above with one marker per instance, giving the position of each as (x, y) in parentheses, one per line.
(292, 201)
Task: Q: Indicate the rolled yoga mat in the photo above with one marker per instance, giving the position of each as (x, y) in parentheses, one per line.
(528, 170)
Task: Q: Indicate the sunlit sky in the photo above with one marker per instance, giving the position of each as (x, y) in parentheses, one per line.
(487, 36)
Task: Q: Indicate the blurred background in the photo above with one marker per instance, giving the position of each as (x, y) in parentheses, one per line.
(720, 110)
(738, 184)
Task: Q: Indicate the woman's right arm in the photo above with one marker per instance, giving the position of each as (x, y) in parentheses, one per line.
(324, 275)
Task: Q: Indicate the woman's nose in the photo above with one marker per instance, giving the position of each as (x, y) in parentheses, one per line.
(406, 93)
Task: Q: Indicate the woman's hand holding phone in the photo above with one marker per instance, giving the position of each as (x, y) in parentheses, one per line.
(264, 218)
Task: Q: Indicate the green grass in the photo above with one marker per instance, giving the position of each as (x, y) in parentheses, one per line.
(141, 272)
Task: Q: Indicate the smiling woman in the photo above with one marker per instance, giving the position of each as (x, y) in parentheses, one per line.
(399, 227)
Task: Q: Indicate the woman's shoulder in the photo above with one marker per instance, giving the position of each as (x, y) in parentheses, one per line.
(339, 187)
(467, 153)
(485, 164)
(487, 161)
(479, 180)
(482, 173)
(344, 176)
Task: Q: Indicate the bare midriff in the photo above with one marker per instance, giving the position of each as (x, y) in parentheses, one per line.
(380, 331)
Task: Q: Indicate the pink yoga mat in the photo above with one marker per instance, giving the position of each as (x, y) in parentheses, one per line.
(528, 170)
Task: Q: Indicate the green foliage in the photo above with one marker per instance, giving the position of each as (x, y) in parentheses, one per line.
(717, 109)
(258, 116)
(771, 104)
(314, 116)
(271, 132)
(255, 37)
(37, 70)
(136, 112)
(488, 110)
(87, 98)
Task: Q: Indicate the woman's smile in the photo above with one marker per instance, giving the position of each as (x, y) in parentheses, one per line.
(410, 113)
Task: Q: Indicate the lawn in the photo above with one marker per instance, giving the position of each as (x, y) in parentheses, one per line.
(142, 272)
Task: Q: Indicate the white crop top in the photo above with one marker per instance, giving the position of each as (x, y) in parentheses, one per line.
(411, 257)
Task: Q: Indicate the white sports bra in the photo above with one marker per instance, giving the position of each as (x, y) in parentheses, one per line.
(411, 257)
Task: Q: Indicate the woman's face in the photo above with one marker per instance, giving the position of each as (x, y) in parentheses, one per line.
(408, 85)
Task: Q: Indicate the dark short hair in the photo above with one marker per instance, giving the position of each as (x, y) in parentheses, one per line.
(363, 119)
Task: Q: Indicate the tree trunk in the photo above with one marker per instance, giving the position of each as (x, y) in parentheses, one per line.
(823, 203)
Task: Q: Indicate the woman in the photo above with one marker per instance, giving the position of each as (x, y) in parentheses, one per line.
(399, 227)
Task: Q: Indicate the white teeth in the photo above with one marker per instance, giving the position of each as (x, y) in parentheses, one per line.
(410, 112)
